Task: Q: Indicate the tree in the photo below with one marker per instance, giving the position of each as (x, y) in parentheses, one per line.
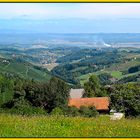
(134, 69)
(105, 78)
(126, 98)
(92, 87)
(58, 94)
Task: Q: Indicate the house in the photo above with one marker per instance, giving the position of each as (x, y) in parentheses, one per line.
(76, 93)
(101, 103)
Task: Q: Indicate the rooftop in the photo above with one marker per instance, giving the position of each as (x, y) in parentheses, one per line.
(76, 93)
(100, 103)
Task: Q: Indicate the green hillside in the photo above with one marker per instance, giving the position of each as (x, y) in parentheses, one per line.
(116, 70)
(23, 69)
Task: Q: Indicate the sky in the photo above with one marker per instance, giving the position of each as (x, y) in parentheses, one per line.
(70, 17)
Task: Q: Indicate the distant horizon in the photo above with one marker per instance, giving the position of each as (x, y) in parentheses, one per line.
(70, 17)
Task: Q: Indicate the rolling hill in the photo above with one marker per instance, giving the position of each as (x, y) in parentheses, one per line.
(24, 69)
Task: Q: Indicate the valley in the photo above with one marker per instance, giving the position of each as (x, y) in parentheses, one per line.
(73, 62)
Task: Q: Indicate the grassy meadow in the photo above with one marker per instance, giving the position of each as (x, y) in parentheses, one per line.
(53, 126)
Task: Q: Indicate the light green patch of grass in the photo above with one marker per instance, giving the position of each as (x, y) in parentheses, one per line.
(116, 74)
(60, 126)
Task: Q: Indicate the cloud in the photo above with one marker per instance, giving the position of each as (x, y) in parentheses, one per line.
(70, 10)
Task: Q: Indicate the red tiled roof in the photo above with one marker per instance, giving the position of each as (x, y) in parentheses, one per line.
(100, 103)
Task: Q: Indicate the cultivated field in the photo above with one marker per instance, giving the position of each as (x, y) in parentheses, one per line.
(53, 126)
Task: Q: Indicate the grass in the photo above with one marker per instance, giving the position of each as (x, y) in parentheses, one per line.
(116, 74)
(52, 126)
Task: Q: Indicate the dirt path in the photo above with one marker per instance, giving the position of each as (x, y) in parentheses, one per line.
(27, 71)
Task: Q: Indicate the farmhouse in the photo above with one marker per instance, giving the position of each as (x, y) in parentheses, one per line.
(101, 103)
(76, 93)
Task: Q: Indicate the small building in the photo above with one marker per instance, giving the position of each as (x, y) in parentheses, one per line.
(101, 103)
(76, 93)
(116, 116)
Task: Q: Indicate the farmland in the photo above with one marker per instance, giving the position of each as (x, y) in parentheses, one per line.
(60, 126)
(23, 69)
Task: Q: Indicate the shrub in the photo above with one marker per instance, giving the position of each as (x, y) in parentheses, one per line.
(72, 111)
(94, 112)
(57, 111)
(22, 107)
(88, 111)
(39, 111)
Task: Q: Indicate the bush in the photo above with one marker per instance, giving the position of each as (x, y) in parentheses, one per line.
(24, 111)
(88, 111)
(39, 111)
(94, 112)
(72, 111)
(57, 111)
(83, 111)
(22, 107)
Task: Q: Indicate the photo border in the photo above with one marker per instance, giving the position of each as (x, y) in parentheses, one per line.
(69, 1)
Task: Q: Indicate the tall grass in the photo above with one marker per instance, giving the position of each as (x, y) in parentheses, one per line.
(60, 126)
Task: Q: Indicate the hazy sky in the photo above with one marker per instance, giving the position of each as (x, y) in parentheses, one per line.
(70, 17)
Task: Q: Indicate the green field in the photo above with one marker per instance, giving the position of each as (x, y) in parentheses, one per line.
(116, 74)
(53, 126)
(25, 70)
